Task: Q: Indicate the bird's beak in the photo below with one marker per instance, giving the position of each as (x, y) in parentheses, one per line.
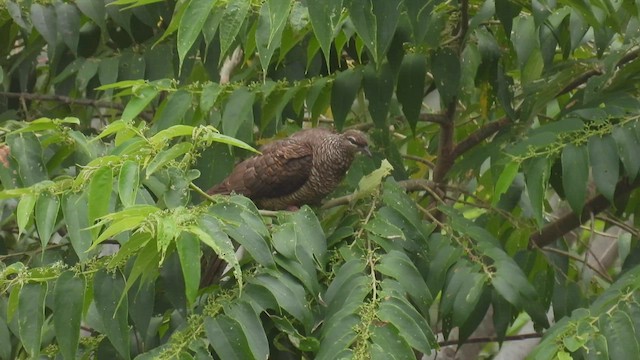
(366, 151)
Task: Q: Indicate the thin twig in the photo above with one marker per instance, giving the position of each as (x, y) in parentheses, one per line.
(603, 275)
(429, 164)
(492, 339)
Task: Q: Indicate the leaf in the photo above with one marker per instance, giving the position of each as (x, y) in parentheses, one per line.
(172, 112)
(68, 22)
(410, 87)
(537, 173)
(94, 10)
(107, 290)
(68, 299)
(31, 316)
(289, 294)
(76, 216)
(128, 182)
(252, 327)
(505, 180)
(268, 35)
(369, 183)
(99, 195)
(325, 17)
(209, 231)
(44, 20)
(46, 214)
(191, 24)
(343, 93)
(378, 87)
(278, 15)
(227, 338)
(375, 23)
(605, 164)
(388, 344)
(397, 265)
(27, 151)
(24, 211)
(163, 137)
(628, 149)
(445, 66)
(165, 156)
(232, 19)
(209, 96)
(410, 324)
(138, 103)
(237, 117)
(622, 338)
(188, 248)
(575, 175)
(5, 340)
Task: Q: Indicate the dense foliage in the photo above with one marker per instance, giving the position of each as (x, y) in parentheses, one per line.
(505, 172)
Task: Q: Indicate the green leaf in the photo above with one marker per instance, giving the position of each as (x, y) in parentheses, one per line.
(628, 149)
(268, 35)
(237, 117)
(68, 300)
(31, 317)
(378, 87)
(325, 18)
(27, 151)
(209, 96)
(575, 175)
(289, 294)
(244, 314)
(107, 290)
(278, 14)
(128, 182)
(344, 91)
(94, 10)
(505, 180)
(375, 23)
(243, 223)
(188, 248)
(370, 183)
(397, 265)
(410, 324)
(44, 20)
(210, 233)
(227, 338)
(100, 188)
(138, 103)
(191, 24)
(232, 19)
(605, 164)
(68, 23)
(622, 337)
(76, 216)
(162, 137)
(5, 340)
(445, 66)
(24, 211)
(172, 111)
(537, 173)
(46, 214)
(165, 156)
(388, 344)
(410, 87)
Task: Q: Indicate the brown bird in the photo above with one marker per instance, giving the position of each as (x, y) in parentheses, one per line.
(301, 169)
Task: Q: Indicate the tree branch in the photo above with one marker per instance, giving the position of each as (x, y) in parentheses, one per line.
(558, 228)
(407, 185)
(480, 135)
(71, 101)
(492, 339)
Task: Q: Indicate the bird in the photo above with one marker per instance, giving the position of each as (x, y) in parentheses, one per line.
(301, 169)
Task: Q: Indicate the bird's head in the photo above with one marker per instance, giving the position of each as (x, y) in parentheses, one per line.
(356, 141)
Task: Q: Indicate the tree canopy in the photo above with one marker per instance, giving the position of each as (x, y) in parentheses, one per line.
(502, 190)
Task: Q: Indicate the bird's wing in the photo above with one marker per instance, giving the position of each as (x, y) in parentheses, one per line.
(282, 168)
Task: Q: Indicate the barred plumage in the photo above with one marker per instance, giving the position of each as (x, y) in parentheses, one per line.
(301, 169)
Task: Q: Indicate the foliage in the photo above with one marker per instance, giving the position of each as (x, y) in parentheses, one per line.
(488, 120)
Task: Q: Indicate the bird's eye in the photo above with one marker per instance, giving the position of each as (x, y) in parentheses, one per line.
(353, 140)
